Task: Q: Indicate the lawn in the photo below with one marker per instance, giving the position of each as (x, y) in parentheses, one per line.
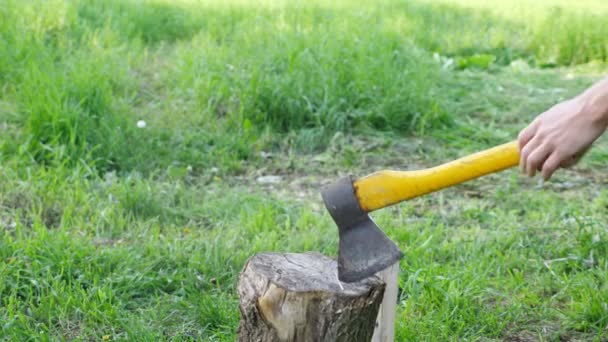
(113, 231)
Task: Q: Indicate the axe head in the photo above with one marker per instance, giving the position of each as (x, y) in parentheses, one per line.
(364, 248)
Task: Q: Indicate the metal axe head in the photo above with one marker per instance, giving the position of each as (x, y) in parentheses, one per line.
(364, 248)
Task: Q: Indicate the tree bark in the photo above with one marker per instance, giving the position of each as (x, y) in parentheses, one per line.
(298, 297)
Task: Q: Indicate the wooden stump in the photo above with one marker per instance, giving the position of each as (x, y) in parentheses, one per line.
(298, 297)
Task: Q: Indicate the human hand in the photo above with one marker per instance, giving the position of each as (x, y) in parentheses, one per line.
(560, 136)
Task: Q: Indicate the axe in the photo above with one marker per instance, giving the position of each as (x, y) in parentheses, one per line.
(363, 248)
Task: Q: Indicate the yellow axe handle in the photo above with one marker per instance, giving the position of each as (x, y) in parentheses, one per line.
(384, 188)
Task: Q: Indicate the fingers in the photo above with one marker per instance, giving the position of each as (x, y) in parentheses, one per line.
(527, 134)
(526, 152)
(550, 165)
(537, 158)
(569, 162)
(573, 160)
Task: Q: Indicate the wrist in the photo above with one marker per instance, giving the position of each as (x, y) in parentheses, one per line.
(595, 107)
(594, 103)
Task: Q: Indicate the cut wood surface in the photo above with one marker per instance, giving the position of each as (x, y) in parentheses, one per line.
(298, 297)
(385, 326)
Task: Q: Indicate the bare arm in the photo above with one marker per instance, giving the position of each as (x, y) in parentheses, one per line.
(562, 134)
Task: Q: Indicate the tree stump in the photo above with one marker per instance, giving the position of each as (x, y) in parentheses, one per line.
(298, 297)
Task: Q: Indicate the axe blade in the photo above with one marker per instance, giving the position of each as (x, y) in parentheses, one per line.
(364, 248)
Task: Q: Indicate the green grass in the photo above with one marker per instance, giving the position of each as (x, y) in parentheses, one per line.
(544, 33)
(110, 231)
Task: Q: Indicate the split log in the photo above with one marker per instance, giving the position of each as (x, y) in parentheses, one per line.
(298, 297)
(385, 323)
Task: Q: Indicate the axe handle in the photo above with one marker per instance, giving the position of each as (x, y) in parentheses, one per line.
(385, 188)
